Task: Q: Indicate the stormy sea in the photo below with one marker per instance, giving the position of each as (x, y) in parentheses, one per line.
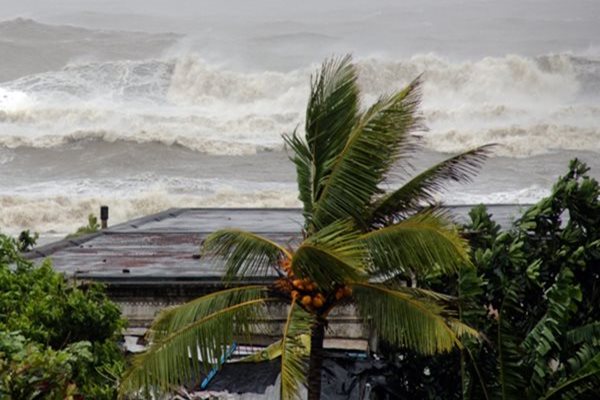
(153, 105)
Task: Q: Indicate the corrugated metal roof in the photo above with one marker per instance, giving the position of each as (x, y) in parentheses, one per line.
(153, 262)
(165, 246)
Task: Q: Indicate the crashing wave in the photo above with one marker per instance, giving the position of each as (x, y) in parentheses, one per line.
(528, 105)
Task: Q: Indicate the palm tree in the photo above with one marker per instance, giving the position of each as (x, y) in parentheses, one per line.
(360, 246)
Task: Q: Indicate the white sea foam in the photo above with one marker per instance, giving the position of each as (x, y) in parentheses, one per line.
(58, 208)
(529, 106)
(59, 214)
(528, 195)
(14, 100)
(6, 156)
(518, 140)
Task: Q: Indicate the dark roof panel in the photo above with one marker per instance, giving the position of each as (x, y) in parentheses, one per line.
(166, 245)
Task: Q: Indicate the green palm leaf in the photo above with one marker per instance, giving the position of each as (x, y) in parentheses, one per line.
(303, 160)
(421, 188)
(294, 351)
(407, 318)
(330, 114)
(273, 350)
(378, 138)
(331, 256)
(420, 243)
(176, 357)
(245, 253)
(175, 318)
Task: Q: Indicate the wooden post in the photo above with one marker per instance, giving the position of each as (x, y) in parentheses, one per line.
(104, 217)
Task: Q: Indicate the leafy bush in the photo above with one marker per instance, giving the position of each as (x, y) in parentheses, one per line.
(55, 331)
(541, 286)
(535, 297)
(28, 370)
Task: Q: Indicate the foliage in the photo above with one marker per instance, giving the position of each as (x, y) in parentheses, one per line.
(29, 370)
(91, 227)
(293, 349)
(211, 323)
(534, 297)
(543, 280)
(358, 242)
(50, 322)
(27, 240)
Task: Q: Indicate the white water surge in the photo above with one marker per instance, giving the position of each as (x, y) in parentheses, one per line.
(527, 105)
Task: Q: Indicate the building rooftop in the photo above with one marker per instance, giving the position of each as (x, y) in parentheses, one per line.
(166, 246)
(154, 262)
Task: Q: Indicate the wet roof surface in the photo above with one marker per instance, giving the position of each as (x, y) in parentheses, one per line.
(166, 246)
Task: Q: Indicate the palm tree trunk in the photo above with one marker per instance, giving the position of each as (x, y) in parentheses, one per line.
(315, 365)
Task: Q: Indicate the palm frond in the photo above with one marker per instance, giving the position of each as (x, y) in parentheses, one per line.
(422, 188)
(177, 358)
(244, 252)
(273, 350)
(331, 256)
(270, 352)
(331, 112)
(419, 244)
(378, 138)
(303, 160)
(175, 318)
(407, 318)
(294, 351)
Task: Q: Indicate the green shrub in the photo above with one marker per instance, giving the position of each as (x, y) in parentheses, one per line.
(534, 296)
(541, 290)
(29, 370)
(64, 333)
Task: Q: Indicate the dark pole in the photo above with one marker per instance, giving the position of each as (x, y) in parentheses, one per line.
(104, 217)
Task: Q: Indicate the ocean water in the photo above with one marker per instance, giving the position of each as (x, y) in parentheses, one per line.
(144, 106)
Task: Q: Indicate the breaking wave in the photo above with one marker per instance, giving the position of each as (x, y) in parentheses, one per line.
(527, 105)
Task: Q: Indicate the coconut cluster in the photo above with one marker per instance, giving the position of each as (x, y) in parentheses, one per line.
(307, 291)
